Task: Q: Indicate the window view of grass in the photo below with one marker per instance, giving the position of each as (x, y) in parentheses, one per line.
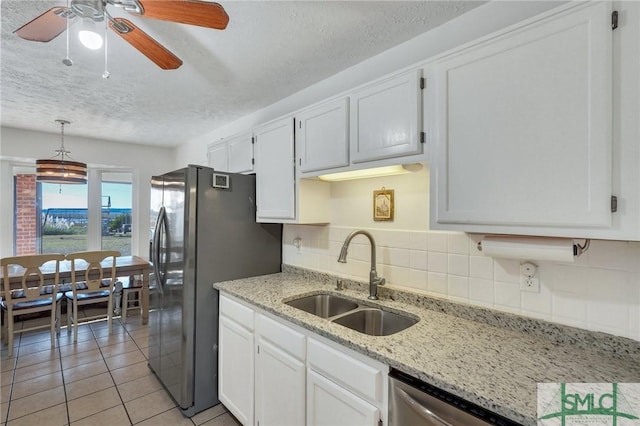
(70, 243)
(65, 218)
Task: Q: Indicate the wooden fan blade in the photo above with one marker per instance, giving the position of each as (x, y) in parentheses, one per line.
(192, 12)
(47, 26)
(153, 50)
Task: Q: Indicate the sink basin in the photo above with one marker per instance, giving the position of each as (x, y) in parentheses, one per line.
(323, 305)
(375, 322)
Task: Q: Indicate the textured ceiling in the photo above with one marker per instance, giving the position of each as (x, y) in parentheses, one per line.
(270, 49)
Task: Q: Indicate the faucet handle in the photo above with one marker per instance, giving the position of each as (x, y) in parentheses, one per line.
(379, 281)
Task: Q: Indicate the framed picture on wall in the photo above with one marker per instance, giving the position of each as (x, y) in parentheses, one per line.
(383, 205)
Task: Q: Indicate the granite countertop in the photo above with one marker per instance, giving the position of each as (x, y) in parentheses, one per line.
(492, 359)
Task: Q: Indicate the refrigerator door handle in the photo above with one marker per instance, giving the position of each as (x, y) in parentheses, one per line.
(156, 248)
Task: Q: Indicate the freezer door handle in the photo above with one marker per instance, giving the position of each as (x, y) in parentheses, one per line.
(424, 412)
(159, 228)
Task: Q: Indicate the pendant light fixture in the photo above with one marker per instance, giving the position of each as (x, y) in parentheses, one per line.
(59, 169)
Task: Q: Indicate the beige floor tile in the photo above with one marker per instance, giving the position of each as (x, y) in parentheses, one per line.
(208, 414)
(113, 339)
(36, 402)
(171, 417)
(101, 329)
(30, 337)
(89, 385)
(6, 378)
(81, 358)
(119, 348)
(149, 405)
(3, 411)
(93, 403)
(36, 370)
(139, 333)
(76, 348)
(83, 371)
(43, 345)
(7, 364)
(37, 322)
(123, 360)
(131, 372)
(36, 385)
(66, 339)
(5, 393)
(53, 416)
(115, 416)
(37, 358)
(139, 387)
(225, 419)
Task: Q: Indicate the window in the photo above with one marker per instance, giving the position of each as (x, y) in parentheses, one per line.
(53, 218)
(116, 212)
(63, 218)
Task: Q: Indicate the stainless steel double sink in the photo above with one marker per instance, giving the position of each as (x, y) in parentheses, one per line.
(365, 319)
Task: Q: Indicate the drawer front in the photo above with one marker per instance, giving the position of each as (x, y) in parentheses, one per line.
(237, 312)
(351, 373)
(282, 335)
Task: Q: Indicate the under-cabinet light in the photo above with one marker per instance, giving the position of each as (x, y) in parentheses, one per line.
(399, 169)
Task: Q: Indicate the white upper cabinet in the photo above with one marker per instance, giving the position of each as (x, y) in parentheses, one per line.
(386, 119)
(522, 124)
(232, 155)
(280, 198)
(322, 136)
(275, 174)
(218, 156)
(241, 153)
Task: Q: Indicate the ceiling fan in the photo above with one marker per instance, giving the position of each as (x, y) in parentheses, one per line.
(56, 20)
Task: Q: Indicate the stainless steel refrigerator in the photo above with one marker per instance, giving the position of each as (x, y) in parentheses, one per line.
(203, 231)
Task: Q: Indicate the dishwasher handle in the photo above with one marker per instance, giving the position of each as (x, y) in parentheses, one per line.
(420, 409)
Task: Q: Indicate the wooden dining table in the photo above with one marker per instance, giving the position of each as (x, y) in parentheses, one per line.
(126, 266)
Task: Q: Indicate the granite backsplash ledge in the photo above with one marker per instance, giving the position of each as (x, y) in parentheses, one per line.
(604, 343)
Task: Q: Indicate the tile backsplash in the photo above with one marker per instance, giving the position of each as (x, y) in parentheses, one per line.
(600, 291)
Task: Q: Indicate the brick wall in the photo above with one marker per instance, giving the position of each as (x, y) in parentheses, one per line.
(26, 218)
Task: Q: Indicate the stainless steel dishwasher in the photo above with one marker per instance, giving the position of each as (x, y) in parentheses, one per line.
(413, 402)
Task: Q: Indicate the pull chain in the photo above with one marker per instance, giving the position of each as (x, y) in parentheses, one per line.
(106, 73)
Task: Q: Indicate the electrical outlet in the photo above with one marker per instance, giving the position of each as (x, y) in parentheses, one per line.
(529, 280)
(297, 243)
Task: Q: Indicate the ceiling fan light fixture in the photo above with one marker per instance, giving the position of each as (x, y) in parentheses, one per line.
(90, 39)
(61, 169)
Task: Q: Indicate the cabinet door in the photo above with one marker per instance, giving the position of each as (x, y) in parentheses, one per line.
(280, 386)
(322, 136)
(524, 127)
(329, 404)
(275, 175)
(218, 156)
(241, 153)
(236, 369)
(386, 119)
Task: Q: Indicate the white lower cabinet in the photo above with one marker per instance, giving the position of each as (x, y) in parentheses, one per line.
(299, 378)
(280, 374)
(329, 404)
(236, 360)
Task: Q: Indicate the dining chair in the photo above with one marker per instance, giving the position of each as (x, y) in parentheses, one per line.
(35, 294)
(91, 283)
(129, 286)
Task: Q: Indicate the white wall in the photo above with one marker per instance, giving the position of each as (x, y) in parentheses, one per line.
(472, 25)
(23, 147)
(600, 291)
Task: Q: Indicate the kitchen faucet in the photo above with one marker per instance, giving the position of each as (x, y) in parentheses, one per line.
(374, 280)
